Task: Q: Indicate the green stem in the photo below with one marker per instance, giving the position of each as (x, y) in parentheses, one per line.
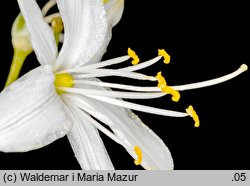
(16, 65)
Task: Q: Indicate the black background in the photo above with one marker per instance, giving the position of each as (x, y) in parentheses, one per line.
(205, 40)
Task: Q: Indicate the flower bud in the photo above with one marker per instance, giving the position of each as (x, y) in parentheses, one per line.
(20, 36)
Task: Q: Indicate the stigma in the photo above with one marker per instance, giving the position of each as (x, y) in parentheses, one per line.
(63, 80)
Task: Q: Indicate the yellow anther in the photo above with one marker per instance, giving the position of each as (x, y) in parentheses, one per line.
(162, 84)
(57, 24)
(161, 80)
(133, 55)
(165, 55)
(139, 155)
(175, 94)
(190, 110)
(63, 80)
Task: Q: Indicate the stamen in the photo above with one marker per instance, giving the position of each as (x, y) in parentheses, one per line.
(106, 63)
(119, 73)
(162, 84)
(133, 55)
(79, 103)
(139, 155)
(114, 94)
(190, 110)
(142, 108)
(63, 80)
(57, 24)
(141, 65)
(161, 80)
(118, 86)
(163, 53)
(112, 62)
(87, 68)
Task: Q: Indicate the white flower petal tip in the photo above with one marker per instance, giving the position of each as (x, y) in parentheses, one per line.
(31, 113)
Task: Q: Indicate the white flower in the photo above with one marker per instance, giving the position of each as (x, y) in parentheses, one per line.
(63, 97)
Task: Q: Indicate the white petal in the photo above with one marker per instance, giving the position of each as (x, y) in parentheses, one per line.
(98, 55)
(131, 131)
(42, 37)
(114, 10)
(85, 28)
(87, 143)
(32, 115)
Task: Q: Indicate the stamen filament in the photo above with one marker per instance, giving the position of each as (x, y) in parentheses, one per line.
(141, 65)
(119, 73)
(142, 108)
(114, 94)
(211, 82)
(118, 86)
(86, 68)
(48, 6)
(77, 102)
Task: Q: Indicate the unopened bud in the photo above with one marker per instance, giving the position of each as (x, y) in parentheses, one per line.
(20, 35)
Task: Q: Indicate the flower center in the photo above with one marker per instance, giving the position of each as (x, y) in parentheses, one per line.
(63, 80)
